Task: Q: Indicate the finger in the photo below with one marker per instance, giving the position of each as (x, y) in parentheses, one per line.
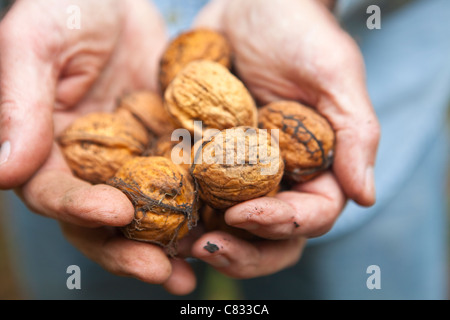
(267, 217)
(54, 192)
(120, 256)
(184, 245)
(347, 106)
(237, 258)
(211, 15)
(308, 210)
(182, 280)
(27, 84)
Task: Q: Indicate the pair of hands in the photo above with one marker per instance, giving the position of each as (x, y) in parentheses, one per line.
(50, 75)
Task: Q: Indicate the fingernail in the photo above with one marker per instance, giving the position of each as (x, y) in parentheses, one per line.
(5, 150)
(370, 182)
(218, 261)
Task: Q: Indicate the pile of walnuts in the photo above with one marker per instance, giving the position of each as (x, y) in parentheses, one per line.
(231, 150)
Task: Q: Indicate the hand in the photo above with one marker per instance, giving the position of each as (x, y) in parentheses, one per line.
(49, 76)
(294, 49)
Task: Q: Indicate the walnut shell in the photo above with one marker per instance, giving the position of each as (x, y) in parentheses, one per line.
(207, 93)
(148, 107)
(190, 46)
(96, 145)
(164, 199)
(236, 165)
(306, 138)
(179, 151)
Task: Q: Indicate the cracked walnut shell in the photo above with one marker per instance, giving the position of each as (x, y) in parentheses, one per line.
(236, 165)
(189, 46)
(96, 145)
(164, 199)
(306, 138)
(206, 94)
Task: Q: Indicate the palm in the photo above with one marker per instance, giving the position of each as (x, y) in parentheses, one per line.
(118, 56)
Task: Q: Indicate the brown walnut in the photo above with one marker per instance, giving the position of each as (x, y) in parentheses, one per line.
(236, 165)
(179, 151)
(164, 199)
(148, 107)
(206, 92)
(190, 46)
(306, 138)
(96, 145)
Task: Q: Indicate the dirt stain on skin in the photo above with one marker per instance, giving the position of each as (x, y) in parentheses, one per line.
(211, 247)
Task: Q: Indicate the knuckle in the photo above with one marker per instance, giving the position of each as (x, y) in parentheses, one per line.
(375, 130)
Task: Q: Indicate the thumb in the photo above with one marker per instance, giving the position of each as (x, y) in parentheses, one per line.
(211, 15)
(27, 89)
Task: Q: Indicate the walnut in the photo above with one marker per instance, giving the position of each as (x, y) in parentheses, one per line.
(164, 199)
(306, 138)
(179, 151)
(207, 92)
(236, 165)
(96, 145)
(148, 107)
(190, 46)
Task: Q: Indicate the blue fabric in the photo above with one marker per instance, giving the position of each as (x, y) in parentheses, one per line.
(408, 77)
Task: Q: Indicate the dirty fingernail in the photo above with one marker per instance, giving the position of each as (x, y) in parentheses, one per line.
(217, 260)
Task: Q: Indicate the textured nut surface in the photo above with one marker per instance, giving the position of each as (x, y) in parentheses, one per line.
(148, 107)
(164, 199)
(179, 151)
(306, 138)
(190, 46)
(206, 91)
(95, 146)
(236, 165)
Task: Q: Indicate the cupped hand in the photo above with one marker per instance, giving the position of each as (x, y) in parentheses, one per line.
(53, 71)
(296, 50)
